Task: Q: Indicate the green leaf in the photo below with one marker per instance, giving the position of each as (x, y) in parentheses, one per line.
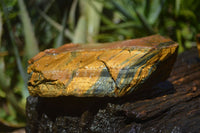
(2, 113)
(188, 44)
(188, 14)
(179, 38)
(177, 5)
(2, 93)
(155, 10)
(10, 117)
(186, 33)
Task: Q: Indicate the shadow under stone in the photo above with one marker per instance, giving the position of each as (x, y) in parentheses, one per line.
(76, 106)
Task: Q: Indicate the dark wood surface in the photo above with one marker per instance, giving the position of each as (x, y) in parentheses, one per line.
(170, 107)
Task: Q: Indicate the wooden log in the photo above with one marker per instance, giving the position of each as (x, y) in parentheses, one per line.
(111, 69)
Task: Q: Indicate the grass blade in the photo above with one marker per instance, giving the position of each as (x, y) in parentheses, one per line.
(31, 45)
(9, 94)
(56, 25)
(122, 10)
(59, 41)
(11, 34)
(143, 20)
(156, 8)
(93, 20)
(80, 31)
(4, 79)
(104, 19)
(50, 3)
(72, 14)
(1, 27)
(88, 23)
(177, 5)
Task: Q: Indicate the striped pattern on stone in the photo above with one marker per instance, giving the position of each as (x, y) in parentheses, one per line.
(110, 69)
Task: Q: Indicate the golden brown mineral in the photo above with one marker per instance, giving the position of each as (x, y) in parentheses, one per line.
(110, 69)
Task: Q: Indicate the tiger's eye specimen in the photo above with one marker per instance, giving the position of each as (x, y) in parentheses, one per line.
(110, 69)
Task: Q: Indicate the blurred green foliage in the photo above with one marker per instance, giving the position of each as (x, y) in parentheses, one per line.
(27, 27)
